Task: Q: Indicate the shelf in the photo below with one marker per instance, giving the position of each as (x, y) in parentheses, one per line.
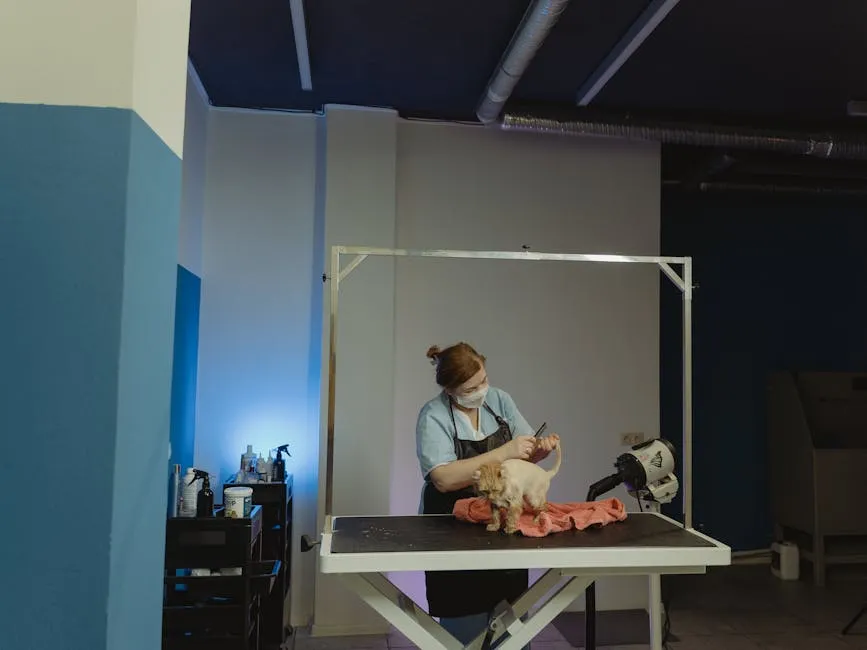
(260, 574)
(219, 611)
(211, 542)
(275, 499)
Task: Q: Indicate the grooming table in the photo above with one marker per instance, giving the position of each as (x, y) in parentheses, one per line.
(362, 549)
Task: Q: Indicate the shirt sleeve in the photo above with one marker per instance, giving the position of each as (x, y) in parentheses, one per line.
(434, 443)
(520, 426)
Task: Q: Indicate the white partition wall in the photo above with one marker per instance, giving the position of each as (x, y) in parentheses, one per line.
(576, 346)
(358, 169)
(255, 332)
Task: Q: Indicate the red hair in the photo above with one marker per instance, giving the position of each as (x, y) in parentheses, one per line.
(456, 364)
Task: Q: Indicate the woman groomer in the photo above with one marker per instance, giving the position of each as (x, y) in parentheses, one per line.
(467, 425)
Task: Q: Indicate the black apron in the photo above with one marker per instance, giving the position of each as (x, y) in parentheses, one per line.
(453, 594)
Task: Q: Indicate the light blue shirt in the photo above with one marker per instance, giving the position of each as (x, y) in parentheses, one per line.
(434, 433)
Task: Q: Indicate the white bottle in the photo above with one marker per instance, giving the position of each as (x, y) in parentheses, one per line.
(262, 469)
(190, 493)
(269, 467)
(248, 461)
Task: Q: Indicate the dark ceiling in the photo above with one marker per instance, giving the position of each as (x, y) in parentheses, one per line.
(774, 61)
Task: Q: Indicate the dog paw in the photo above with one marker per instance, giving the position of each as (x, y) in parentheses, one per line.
(511, 529)
(492, 528)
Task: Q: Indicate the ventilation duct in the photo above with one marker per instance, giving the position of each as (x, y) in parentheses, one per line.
(774, 188)
(629, 127)
(540, 18)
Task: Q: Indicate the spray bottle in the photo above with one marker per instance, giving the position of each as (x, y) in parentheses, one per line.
(189, 493)
(278, 470)
(205, 498)
(175, 491)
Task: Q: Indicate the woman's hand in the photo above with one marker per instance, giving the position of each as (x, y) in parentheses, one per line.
(544, 446)
(521, 448)
(458, 474)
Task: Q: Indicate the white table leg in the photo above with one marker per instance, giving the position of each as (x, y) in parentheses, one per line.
(521, 633)
(399, 610)
(425, 632)
(546, 582)
(655, 611)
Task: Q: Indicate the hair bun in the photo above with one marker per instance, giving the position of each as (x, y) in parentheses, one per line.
(433, 353)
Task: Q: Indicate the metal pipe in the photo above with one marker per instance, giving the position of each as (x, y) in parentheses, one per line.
(302, 51)
(687, 393)
(631, 127)
(612, 258)
(332, 387)
(775, 188)
(644, 26)
(539, 19)
(590, 617)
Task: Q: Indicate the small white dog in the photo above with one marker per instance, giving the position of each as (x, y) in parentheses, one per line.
(510, 483)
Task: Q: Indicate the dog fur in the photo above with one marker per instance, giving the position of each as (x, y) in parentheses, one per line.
(511, 484)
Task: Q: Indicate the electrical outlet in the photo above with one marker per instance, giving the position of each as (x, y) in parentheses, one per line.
(631, 439)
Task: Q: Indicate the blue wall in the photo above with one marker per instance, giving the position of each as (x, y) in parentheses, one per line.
(62, 215)
(89, 202)
(780, 287)
(144, 391)
(185, 368)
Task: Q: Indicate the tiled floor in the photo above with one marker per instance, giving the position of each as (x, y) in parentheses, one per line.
(736, 608)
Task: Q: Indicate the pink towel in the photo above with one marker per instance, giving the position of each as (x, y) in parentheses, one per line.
(557, 518)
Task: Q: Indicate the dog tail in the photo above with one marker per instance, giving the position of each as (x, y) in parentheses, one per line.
(553, 471)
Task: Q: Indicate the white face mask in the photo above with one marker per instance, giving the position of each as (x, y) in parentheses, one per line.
(473, 400)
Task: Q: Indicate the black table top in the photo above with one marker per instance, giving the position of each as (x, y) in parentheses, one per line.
(446, 533)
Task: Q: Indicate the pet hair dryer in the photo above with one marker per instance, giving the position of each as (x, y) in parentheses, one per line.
(647, 471)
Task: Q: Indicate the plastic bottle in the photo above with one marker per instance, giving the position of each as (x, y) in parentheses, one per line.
(190, 493)
(278, 473)
(205, 496)
(269, 467)
(262, 469)
(175, 491)
(248, 461)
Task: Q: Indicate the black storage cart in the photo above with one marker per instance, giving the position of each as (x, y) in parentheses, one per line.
(222, 611)
(275, 500)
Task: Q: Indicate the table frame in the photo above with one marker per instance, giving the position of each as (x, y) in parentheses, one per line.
(569, 572)
(665, 264)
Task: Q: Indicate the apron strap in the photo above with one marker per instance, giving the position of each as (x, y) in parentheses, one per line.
(502, 424)
(455, 425)
(500, 421)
